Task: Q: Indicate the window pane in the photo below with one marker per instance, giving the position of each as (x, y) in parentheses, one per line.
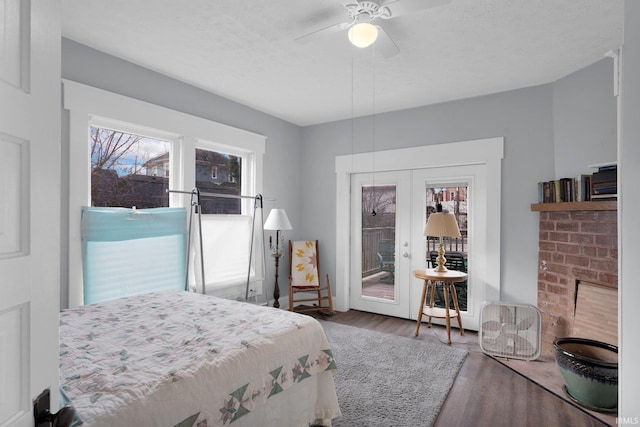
(218, 172)
(128, 170)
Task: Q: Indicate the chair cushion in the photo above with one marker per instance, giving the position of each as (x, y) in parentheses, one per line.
(304, 264)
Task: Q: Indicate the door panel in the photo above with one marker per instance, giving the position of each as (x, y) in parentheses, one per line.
(473, 177)
(29, 205)
(14, 155)
(380, 249)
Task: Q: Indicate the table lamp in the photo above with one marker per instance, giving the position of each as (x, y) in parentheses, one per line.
(277, 220)
(441, 224)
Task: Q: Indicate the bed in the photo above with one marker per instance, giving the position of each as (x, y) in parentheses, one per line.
(176, 358)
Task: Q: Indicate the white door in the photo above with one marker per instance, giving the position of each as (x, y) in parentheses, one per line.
(389, 212)
(29, 205)
(380, 273)
(462, 190)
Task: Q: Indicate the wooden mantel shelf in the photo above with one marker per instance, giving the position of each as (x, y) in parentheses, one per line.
(604, 205)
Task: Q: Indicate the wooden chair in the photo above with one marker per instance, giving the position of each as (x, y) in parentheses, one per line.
(304, 278)
(387, 258)
(455, 261)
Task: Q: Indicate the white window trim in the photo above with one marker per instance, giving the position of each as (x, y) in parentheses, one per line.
(88, 105)
(489, 152)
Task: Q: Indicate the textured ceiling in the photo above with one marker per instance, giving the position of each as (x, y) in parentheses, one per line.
(245, 50)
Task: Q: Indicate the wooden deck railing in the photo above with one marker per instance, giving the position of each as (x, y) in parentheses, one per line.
(450, 244)
(370, 239)
(371, 236)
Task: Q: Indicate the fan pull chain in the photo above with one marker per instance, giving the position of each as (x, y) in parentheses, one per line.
(373, 120)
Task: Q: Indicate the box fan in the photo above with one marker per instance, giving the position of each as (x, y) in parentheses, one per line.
(510, 330)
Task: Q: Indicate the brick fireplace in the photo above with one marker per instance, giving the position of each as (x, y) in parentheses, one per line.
(576, 244)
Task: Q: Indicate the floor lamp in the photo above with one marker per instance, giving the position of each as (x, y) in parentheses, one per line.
(277, 220)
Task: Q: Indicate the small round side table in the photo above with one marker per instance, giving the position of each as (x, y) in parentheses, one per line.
(448, 278)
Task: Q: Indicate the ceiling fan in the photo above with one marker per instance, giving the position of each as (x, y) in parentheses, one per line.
(361, 29)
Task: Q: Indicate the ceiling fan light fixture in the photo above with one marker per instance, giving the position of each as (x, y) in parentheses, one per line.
(363, 34)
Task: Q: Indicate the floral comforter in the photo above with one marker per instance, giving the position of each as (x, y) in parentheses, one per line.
(182, 359)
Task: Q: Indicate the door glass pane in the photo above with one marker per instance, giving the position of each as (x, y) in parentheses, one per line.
(453, 198)
(378, 241)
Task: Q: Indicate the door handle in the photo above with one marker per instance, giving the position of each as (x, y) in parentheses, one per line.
(43, 416)
(63, 418)
(405, 254)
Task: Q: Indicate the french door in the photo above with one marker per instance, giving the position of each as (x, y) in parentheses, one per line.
(389, 211)
(476, 162)
(381, 259)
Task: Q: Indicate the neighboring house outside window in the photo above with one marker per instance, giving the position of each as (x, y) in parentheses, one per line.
(226, 167)
(158, 165)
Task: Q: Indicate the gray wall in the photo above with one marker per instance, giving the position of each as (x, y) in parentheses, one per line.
(523, 117)
(629, 253)
(529, 120)
(584, 119)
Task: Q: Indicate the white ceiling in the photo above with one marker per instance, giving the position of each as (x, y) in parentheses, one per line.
(245, 50)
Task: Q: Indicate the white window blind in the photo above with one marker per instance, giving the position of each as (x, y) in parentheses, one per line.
(226, 241)
(128, 252)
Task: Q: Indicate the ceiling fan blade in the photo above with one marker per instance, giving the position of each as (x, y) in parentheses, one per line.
(324, 31)
(346, 3)
(385, 45)
(404, 7)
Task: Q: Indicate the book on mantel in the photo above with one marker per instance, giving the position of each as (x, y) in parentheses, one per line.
(564, 190)
(600, 185)
(604, 182)
(583, 187)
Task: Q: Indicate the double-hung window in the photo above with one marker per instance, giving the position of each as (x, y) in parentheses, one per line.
(124, 152)
(227, 222)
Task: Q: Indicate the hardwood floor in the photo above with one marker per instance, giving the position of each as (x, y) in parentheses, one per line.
(485, 393)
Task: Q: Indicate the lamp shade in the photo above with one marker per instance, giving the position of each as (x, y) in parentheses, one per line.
(277, 220)
(442, 224)
(363, 34)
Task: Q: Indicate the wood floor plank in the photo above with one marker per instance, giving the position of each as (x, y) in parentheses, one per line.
(485, 393)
